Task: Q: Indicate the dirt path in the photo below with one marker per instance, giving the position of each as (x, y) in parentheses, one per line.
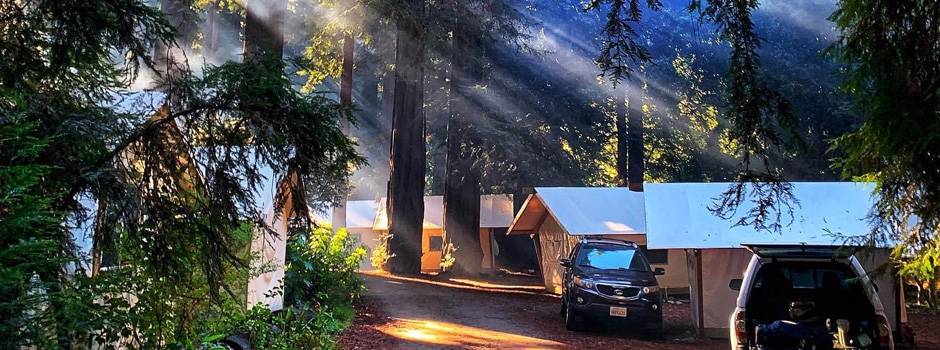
(404, 313)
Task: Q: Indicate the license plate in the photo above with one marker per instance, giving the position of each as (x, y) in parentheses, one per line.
(618, 311)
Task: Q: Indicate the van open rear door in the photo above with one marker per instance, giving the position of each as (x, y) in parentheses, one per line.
(801, 251)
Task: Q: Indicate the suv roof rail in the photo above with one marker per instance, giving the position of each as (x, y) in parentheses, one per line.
(608, 240)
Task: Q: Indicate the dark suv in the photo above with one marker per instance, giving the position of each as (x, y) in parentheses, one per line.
(611, 280)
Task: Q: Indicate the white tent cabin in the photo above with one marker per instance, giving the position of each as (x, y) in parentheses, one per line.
(360, 219)
(496, 213)
(557, 217)
(678, 217)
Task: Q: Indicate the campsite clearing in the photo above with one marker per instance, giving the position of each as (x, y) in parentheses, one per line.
(504, 313)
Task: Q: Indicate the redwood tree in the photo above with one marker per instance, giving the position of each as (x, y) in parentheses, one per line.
(461, 182)
(408, 159)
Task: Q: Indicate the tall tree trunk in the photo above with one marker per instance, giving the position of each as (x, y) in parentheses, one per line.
(181, 16)
(408, 158)
(213, 23)
(345, 99)
(622, 106)
(461, 183)
(264, 35)
(635, 149)
(388, 103)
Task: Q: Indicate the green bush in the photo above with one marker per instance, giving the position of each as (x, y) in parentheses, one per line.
(321, 268)
(288, 329)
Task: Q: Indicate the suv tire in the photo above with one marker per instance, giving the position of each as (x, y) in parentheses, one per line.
(571, 323)
(564, 307)
(654, 330)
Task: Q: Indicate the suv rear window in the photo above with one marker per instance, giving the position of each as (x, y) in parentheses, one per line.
(612, 257)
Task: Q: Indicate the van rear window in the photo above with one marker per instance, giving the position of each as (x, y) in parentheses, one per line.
(810, 275)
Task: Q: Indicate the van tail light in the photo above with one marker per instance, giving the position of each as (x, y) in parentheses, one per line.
(884, 333)
(739, 331)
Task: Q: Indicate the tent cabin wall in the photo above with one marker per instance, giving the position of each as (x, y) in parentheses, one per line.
(431, 253)
(555, 244)
(369, 239)
(360, 222)
(709, 272)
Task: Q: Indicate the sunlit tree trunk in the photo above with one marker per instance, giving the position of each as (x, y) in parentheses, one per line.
(408, 159)
(345, 99)
(461, 182)
(180, 14)
(264, 35)
(621, 130)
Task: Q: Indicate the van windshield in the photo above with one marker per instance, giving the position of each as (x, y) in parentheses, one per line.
(612, 257)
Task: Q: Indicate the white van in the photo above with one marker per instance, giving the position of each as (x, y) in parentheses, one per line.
(819, 290)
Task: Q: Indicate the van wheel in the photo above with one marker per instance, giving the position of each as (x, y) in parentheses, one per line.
(571, 323)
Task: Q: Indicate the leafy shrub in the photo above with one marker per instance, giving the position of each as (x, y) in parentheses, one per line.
(380, 255)
(321, 268)
(288, 329)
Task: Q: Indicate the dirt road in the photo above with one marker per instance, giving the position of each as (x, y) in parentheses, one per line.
(404, 313)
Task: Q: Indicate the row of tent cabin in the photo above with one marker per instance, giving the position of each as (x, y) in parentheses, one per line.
(700, 252)
(368, 220)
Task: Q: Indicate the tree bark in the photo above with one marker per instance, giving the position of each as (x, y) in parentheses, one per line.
(345, 99)
(264, 35)
(621, 130)
(635, 149)
(388, 99)
(408, 158)
(461, 182)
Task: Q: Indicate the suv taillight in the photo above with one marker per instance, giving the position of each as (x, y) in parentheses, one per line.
(884, 333)
(739, 332)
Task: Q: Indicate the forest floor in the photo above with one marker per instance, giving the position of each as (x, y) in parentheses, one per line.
(504, 312)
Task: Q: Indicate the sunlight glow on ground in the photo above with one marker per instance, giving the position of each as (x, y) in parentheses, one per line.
(450, 334)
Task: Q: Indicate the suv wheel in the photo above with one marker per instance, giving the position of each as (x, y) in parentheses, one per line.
(654, 330)
(571, 323)
(564, 307)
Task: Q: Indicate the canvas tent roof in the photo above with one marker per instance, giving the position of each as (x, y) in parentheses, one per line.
(678, 216)
(584, 210)
(495, 212)
(361, 214)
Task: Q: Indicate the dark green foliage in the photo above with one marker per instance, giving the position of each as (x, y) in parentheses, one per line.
(288, 329)
(175, 181)
(891, 56)
(620, 51)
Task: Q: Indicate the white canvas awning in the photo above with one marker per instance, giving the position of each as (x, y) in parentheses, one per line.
(584, 210)
(678, 216)
(495, 210)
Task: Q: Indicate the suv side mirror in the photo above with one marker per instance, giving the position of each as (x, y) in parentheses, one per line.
(565, 262)
(735, 284)
(659, 271)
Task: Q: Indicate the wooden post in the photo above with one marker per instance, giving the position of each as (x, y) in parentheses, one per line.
(701, 301)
